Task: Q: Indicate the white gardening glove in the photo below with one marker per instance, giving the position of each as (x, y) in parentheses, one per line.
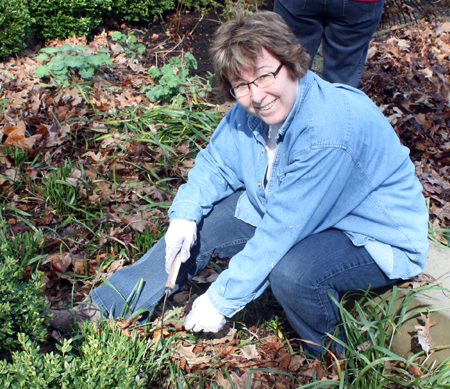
(204, 316)
(180, 237)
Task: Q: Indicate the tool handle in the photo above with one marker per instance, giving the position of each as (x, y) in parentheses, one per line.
(173, 274)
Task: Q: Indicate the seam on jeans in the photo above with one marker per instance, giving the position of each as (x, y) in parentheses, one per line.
(322, 307)
(103, 307)
(229, 244)
(320, 281)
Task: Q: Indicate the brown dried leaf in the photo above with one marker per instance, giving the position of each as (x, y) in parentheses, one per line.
(250, 352)
(421, 279)
(58, 263)
(225, 335)
(296, 363)
(137, 224)
(79, 265)
(16, 137)
(415, 370)
(314, 368)
(207, 275)
(423, 332)
(191, 358)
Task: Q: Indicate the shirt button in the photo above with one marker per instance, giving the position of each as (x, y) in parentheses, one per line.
(259, 184)
(264, 151)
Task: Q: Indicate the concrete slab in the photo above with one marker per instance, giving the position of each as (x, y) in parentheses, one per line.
(438, 301)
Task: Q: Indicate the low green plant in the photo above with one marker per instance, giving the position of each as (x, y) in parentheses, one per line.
(61, 19)
(56, 189)
(109, 360)
(21, 303)
(65, 63)
(173, 83)
(27, 246)
(129, 43)
(14, 21)
(18, 155)
(143, 241)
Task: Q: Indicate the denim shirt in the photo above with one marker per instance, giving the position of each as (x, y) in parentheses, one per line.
(338, 164)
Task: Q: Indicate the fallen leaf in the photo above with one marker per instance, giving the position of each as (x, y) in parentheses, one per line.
(419, 280)
(60, 263)
(423, 332)
(16, 137)
(191, 358)
(137, 223)
(250, 352)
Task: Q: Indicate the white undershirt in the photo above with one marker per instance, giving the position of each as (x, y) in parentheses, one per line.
(271, 146)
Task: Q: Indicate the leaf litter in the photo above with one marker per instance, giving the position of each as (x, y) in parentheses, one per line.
(406, 76)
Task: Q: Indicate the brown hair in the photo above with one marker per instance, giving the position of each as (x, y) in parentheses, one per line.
(239, 42)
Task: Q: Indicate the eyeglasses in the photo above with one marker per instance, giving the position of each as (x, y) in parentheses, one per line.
(263, 81)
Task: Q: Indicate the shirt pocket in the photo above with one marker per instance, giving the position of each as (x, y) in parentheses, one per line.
(359, 11)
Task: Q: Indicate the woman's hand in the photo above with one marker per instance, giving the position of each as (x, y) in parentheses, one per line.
(204, 316)
(180, 237)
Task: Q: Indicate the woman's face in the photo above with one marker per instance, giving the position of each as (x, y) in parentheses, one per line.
(273, 103)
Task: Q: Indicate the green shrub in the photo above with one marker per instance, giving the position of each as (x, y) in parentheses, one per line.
(60, 19)
(14, 20)
(139, 10)
(21, 304)
(109, 360)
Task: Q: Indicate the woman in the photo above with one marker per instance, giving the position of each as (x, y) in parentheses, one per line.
(304, 184)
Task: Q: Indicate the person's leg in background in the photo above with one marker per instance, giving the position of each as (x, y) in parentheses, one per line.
(348, 28)
(305, 18)
(323, 263)
(219, 232)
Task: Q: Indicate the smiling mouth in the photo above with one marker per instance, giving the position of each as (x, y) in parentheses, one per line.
(268, 106)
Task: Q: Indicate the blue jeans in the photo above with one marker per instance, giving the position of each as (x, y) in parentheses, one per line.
(323, 263)
(345, 26)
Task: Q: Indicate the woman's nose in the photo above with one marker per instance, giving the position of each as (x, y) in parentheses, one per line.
(256, 94)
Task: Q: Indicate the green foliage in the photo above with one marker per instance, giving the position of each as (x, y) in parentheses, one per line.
(66, 61)
(138, 10)
(18, 155)
(21, 304)
(144, 240)
(173, 83)
(14, 20)
(26, 246)
(57, 190)
(370, 327)
(3, 103)
(129, 43)
(60, 19)
(109, 360)
(244, 7)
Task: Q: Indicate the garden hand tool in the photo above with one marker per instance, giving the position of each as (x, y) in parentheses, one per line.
(170, 284)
